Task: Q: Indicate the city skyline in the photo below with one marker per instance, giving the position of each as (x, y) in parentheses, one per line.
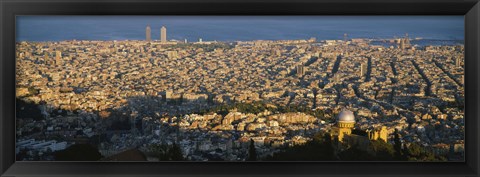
(235, 28)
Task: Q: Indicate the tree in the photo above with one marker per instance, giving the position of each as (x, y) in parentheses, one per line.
(22, 154)
(383, 150)
(319, 149)
(33, 91)
(405, 152)
(398, 146)
(167, 152)
(318, 137)
(327, 143)
(78, 152)
(28, 109)
(176, 153)
(418, 153)
(252, 153)
(354, 153)
(414, 151)
(159, 151)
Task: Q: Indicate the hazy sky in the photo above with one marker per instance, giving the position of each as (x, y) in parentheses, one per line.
(230, 28)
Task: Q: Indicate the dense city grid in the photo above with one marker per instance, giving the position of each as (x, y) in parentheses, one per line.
(123, 95)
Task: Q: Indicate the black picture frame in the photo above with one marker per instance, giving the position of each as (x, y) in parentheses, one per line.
(11, 8)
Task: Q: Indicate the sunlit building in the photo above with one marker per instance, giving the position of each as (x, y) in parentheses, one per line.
(345, 123)
(300, 70)
(148, 33)
(378, 133)
(363, 69)
(458, 62)
(163, 34)
(58, 57)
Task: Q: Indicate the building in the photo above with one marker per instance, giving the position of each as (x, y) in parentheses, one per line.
(345, 135)
(41, 146)
(345, 40)
(172, 54)
(363, 69)
(58, 57)
(171, 95)
(345, 124)
(168, 94)
(378, 133)
(401, 45)
(458, 62)
(300, 70)
(163, 34)
(404, 43)
(46, 58)
(148, 33)
(407, 41)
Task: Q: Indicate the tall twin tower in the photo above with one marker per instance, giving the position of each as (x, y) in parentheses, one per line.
(163, 34)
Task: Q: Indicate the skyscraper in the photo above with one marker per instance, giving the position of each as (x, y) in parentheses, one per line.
(148, 33)
(363, 69)
(401, 45)
(404, 42)
(58, 57)
(407, 41)
(163, 34)
(345, 39)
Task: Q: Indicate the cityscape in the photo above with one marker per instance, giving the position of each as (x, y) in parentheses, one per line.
(346, 98)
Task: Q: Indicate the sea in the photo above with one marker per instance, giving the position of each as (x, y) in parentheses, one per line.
(430, 30)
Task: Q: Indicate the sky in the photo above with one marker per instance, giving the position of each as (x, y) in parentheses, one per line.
(232, 28)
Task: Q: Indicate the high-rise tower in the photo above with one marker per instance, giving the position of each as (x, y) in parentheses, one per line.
(363, 69)
(58, 57)
(401, 45)
(163, 34)
(407, 40)
(148, 33)
(345, 39)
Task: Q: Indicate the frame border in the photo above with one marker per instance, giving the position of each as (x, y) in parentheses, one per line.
(10, 8)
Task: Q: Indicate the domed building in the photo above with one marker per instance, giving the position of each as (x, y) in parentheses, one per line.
(345, 123)
(346, 117)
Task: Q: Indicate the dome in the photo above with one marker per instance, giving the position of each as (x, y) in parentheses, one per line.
(346, 116)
